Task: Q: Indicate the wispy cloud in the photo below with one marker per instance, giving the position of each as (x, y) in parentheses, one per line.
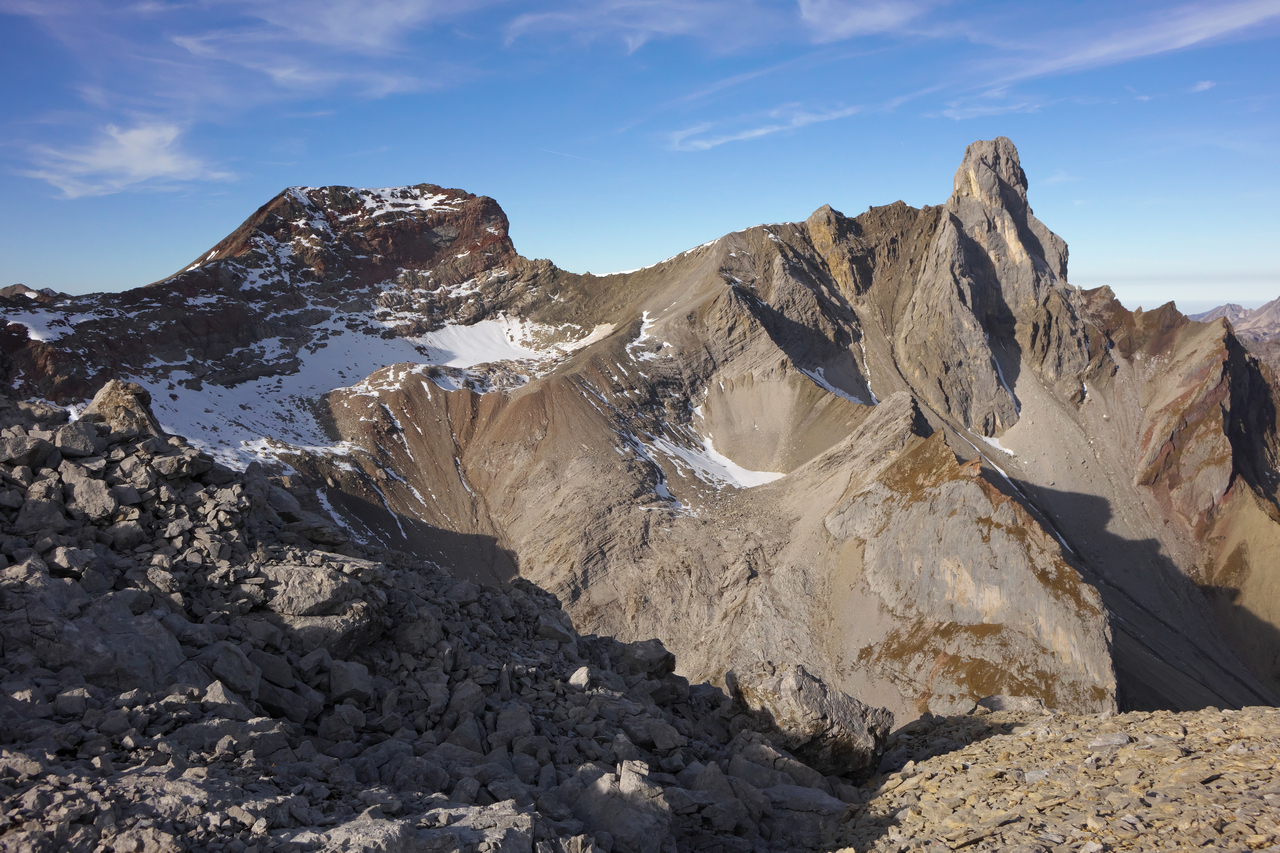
(707, 135)
(1169, 30)
(836, 20)
(729, 25)
(724, 25)
(147, 155)
(1059, 177)
(1202, 86)
(370, 26)
(185, 65)
(993, 102)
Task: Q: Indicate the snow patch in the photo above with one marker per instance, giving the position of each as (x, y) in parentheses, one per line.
(820, 379)
(712, 467)
(479, 343)
(646, 323)
(995, 442)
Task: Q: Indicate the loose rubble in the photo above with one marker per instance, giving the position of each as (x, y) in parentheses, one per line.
(193, 662)
(1025, 781)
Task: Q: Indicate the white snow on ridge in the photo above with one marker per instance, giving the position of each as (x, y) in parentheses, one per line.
(818, 375)
(599, 333)
(45, 325)
(712, 467)
(646, 323)
(251, 420)
(384, 200)
(995, 442)
(479, 343)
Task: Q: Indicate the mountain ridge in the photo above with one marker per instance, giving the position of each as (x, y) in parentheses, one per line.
(452, 399)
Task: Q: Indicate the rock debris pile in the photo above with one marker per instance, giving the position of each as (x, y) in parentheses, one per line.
(193, 662)
(1053, 782)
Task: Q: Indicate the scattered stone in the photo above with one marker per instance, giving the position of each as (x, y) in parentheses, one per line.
(182, 672)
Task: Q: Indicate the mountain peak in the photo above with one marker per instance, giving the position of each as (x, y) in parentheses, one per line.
(359, 237)
(992, 173)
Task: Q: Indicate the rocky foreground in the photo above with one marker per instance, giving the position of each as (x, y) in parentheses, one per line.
(1038, 782)
(191, 661)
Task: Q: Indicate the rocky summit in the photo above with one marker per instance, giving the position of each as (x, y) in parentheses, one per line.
(365, 532)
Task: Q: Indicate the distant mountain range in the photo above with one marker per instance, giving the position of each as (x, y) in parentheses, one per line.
(897, 449)
(1258, 328)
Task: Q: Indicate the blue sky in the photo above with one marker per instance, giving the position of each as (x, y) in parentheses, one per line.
(133, 136)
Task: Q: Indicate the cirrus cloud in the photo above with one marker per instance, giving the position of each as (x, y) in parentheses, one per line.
(147, 155)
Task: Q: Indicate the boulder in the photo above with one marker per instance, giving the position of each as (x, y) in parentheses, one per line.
(831, 731)
(229, 664)
(309, 590)
(79, 439)
(359, 624)
(804, 818)
(349, 681)
(24, 450)
(630, 808)
(126, 406)
(92, 497)
(648, 657)
(112, 646)
(40, 515)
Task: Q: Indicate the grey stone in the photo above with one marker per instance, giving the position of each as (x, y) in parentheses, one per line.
(804, 817)
(309, 590)
(37, 515)
(72, 560)
(112, 646)
(550, 627)
(648, 657)
(24, 450)
(830, 730)
(467, 734)
(125, 406)
(463, 593)
(756, 775)
(635, 822)
(274, 668)
(466, 698)
(349, 680)
(230, 665)
(420, 636)
(126, 494)
(92, 497)
(219, 700)
(126, 535)
(79, 439)
(342, 634)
